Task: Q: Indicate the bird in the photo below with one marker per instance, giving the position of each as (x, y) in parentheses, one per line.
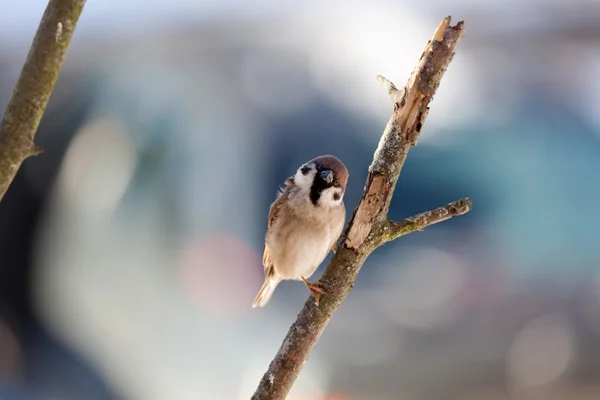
(305, 221)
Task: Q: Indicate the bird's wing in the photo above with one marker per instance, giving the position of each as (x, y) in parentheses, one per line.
(273, 214)
(267, 263)
(277, 205)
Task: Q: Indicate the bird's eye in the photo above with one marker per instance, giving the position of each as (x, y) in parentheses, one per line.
(336, 183)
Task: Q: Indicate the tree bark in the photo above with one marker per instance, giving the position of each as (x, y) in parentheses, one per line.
(34, 87)
(369, 227)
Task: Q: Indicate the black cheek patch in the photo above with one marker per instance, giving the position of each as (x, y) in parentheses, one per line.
(305, 170)
(336, 196)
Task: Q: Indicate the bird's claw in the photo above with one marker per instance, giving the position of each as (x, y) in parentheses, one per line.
(315, 289)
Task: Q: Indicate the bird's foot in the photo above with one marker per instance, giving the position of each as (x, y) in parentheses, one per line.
(315, 289)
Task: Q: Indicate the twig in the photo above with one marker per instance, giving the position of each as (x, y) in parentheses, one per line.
(34, 87)
(369, 227)
(393, 230)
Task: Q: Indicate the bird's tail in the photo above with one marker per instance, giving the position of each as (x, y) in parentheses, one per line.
(265, 292)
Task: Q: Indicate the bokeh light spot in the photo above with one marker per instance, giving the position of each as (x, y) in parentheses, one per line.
(542, 351)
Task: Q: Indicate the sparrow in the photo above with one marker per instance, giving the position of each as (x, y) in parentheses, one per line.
(305, 222)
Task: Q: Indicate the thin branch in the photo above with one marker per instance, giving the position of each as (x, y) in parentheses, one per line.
(393, 230)
(34, 87)
(367, 228)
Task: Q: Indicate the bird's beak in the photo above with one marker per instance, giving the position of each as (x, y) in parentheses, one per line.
(327, 175)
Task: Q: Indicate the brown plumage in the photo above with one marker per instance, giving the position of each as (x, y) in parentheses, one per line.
(304, 223)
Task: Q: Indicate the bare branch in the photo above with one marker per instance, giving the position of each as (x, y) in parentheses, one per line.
(35, 84)
(365, 231)
(393, 230)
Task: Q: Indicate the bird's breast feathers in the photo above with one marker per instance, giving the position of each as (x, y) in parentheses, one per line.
(297, 247)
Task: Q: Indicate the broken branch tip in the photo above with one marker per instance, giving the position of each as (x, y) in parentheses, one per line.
(389, 85)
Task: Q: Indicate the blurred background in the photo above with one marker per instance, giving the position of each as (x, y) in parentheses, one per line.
(130, 250)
